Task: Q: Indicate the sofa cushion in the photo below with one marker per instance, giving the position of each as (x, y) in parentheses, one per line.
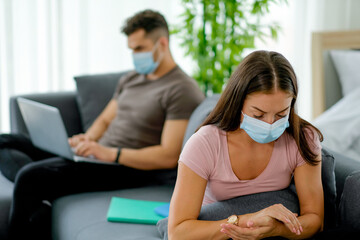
(349, 210)
(94, 93)
(329, 187)
(199, 115)
(83, 216)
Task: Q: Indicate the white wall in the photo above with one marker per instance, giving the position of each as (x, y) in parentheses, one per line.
(44, 43)
(298, 20)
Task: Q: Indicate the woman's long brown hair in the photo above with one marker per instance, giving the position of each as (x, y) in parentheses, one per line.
(263, 71)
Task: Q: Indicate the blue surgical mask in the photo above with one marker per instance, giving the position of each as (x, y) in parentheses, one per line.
(263, 132)
(144, 62)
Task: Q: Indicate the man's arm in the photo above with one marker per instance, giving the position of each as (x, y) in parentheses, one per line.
(103, 121)
(160, 156)
(99, 126)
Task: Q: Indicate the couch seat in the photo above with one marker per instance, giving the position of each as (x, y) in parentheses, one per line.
(83, 216)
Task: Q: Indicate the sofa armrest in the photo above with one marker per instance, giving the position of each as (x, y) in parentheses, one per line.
(349, 209)
(344, 166)
(64, 101)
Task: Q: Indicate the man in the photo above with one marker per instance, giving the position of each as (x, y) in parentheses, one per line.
(151, 53)
(141, 129)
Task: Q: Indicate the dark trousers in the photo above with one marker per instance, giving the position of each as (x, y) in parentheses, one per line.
(38, 183)
(16, 151)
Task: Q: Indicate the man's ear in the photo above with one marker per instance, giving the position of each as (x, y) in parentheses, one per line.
(164, 43)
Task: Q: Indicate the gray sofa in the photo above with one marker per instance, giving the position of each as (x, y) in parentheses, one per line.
(83, 216)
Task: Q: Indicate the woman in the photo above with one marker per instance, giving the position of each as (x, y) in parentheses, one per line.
(253, 141)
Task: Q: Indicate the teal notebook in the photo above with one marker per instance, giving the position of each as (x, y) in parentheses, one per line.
(133, 211)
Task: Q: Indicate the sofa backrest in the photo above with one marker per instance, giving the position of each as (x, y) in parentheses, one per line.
(199, 115)
(78, 108)
(93, 94)
(64, 101)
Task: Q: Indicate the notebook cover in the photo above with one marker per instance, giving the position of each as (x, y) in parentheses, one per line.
(133, 211)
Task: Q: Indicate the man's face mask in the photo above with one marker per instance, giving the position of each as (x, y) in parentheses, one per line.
(144, 62)
(263, 132)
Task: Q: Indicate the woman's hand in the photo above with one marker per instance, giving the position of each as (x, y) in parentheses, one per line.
(281, 214)
(263, 223)
(246, 232)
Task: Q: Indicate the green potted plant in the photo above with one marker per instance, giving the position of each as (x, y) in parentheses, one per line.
(215, 34)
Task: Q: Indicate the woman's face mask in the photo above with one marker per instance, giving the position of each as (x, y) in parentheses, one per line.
(144, 61)
(263, 132)
(270, 115)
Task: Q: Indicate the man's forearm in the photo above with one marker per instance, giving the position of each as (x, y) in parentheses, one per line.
(149, 158)
(162, 156)
(102, 122)
(96, 130)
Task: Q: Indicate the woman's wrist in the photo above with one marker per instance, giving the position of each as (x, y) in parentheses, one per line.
(243, 219)
(233, 219)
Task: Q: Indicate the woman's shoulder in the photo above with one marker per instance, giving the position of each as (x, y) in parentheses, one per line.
(312, 138)
(310, 133)
(200, 151)
(210, 131)
(207, 135)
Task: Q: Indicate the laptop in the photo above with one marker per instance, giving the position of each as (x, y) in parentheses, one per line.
(47, 130)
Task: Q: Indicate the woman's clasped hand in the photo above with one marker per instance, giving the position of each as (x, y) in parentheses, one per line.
(263, 223)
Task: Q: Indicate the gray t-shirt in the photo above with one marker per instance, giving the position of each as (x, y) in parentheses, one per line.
(144, 105)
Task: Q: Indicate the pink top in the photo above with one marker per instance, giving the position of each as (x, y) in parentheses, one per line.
(206, 153)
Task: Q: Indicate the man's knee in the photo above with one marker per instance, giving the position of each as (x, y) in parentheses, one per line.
(13, 140)
(27, 174)
(41, 171)
(11, 161)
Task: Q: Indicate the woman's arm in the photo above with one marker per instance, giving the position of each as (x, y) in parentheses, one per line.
(276, 221)
(311, 197)
(310, 192)
(185, 208)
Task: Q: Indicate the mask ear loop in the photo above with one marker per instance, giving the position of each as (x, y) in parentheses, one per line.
(243, 116)
(153, 52)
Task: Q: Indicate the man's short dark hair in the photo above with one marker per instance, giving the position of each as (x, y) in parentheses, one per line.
(151, 21)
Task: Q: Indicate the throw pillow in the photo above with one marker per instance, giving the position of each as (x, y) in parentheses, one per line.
(241, 205)
(346, 64)
(94, 93)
